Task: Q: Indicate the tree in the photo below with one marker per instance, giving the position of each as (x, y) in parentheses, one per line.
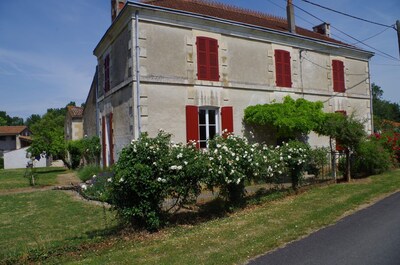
(290, 119)
(346, 130)
(7, 120)
(383, 109)
(31, 120)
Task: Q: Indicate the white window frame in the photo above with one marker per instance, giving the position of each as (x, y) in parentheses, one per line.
(207, 124)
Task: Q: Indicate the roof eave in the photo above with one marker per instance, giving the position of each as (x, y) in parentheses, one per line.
(368, 54)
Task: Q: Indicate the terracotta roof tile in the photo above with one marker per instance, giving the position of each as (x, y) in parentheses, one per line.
(233, 13)
(11, 130)
(75, 112)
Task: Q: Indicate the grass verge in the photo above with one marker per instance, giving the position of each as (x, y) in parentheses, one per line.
(245, 234)
(37, 223)
(14, 178)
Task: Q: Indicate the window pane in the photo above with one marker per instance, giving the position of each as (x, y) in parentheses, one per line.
(211, 116)
(203, 144)
(202, 116)
(212, 131)
(203, 135)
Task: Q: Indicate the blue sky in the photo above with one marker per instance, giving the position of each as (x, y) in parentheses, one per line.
(46, 46)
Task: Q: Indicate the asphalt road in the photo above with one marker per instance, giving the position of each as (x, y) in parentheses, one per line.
(368, 237)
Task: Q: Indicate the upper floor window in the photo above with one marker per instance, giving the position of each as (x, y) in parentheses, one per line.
(283, 68)
(207, 59)
(338, 76)
(107, 73)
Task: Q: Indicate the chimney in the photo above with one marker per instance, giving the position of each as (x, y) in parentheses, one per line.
(116, 7)
(323, 29)
(290, 16)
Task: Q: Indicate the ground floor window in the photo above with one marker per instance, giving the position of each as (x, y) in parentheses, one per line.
(208, 125)
(203, 123)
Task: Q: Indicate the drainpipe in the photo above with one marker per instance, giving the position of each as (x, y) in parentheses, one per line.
(371, 99)
(97, 103)
(137, 55)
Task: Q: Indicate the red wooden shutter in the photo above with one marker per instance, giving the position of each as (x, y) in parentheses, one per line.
(103, 140)
(278, 68)
(110, 141)
(227, 119)
(192, 124)
(283, 69)
(213, 60)
(287, 73)
(202, 67)
(338, 76)
(207, 59)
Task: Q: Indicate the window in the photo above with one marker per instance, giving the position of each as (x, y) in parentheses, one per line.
(338, 76)
(3, 138)
(207, 59)
(283, 68)
(202, 123)
(107, 73)
(208, 125)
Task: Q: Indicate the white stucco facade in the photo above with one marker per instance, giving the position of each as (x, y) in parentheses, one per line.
(168, 73)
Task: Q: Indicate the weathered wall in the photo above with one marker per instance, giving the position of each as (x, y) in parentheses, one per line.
(89, 113)
(18, 159)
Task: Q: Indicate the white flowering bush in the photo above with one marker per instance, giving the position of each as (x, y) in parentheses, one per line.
(233, 161)
(295, 155)
(150, 170)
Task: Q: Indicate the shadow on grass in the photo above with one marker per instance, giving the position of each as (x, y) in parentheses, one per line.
(219, 208)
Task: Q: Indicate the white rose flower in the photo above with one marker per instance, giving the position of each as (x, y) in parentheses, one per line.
(109, 179)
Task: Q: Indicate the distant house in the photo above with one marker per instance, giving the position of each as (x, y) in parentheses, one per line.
(14, 138)
(73, 126)
(191, 67)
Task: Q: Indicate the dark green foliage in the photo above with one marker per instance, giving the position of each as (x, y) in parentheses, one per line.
(372, 158)
(85, 173)
(75, 153)
(318, 159)
(344, 129)
(1, 162)
(6, 120)
(91, 149)
(291, 119)
(383, 109)
(31, 120)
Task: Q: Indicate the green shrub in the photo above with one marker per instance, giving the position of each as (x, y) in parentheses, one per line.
(75, 152)
(91, 149)
(372, 158)
(87, 172)
(318, 159)
(150, 170)
(1, 163)
(97, 187)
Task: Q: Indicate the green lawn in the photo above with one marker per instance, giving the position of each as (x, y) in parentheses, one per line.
(54, 225)
(45, 220)
(14, 178)
(246, 234)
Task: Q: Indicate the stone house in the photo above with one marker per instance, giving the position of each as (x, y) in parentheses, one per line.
(191, 67)
(73, 124)
(14, 138)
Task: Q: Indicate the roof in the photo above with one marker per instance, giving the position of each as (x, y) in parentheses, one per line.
(233, 13)
(11, 130)
(75, 112)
